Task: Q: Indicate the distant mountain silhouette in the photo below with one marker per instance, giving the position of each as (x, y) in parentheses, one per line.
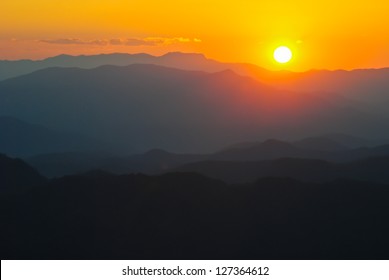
(61, 164)
(22, 139)
(269, 149)
(361, 85)
(152, 162)
(184, 61)
(11, 69)
(350, 141)
(158, 161)
(320, 144)
(308, 148)
(189, 216)
(17, 176)
(356, 84)
(140, 107)
(313, 170)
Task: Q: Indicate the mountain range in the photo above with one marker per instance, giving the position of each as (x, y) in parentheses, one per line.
(256, 157)
(98, 215)
(360, 85)
(140, 107)
(184, 61)
(24, 139)
(184, 157)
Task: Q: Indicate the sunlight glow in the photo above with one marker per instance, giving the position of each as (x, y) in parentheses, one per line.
(282, 54)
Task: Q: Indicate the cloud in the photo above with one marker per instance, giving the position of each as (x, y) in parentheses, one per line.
(175, 40)
(116, 42)
(135, 42)
(152, 41)
(141, 42)
(149, 41)
(72, 41)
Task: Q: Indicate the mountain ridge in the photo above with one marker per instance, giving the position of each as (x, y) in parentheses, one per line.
(189, 216)
(121, 100)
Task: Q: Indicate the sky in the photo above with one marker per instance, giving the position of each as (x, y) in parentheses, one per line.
(328, 34)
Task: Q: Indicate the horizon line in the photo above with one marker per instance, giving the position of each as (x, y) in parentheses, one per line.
(193, 53)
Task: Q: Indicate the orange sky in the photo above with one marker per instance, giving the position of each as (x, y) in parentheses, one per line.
(329, 34)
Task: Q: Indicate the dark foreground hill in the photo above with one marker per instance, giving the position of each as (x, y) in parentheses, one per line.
(17, 176)
(188, 216)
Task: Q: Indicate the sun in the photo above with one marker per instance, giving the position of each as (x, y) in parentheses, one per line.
(282, 54)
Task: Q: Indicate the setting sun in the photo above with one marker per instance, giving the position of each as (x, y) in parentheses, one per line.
(282, 54)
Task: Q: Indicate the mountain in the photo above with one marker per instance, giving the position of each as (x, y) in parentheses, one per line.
(17, 176)
(313, 170)
(61, 164)
(184, 61)
(360, 86)
(152, 162)
(310, 148)
(356, 83)
(351, 141)
(189, 216)
(140, 107)
(23, 139)
(155, 161)
(11, 69)
(269, 149)
(159, 161)
(368, 87)
(320, 144)
(249, 171)
(307, 148)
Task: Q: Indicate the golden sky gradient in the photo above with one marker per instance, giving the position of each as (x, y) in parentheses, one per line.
(324, 34)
